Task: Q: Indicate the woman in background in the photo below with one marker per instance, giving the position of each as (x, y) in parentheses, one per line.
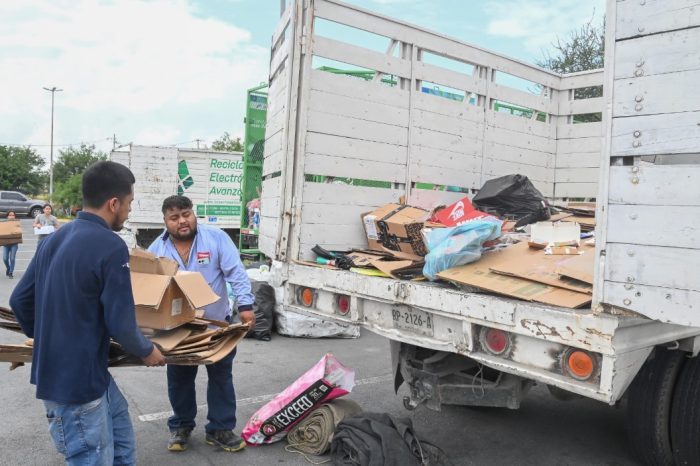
(9, 252)
(44, 220)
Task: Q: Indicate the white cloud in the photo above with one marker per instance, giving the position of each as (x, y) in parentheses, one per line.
(539, 22)
(146, 70)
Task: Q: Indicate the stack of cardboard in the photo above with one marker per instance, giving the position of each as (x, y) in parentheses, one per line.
(200, 341)
(582, 213)
(10, 232)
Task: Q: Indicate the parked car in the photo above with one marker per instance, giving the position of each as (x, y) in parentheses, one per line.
(20, 204)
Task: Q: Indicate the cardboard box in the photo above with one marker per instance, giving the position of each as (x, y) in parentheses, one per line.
(45, 230)
(10, 232)
(555, 234)
(397, 229)
(166, 298)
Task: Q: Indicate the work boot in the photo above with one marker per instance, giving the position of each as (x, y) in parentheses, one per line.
(226, 440)
(179, 438)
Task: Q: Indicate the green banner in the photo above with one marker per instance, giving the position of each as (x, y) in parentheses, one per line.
(230, 210)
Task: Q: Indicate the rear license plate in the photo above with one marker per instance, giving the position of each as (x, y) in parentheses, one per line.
(417, 321)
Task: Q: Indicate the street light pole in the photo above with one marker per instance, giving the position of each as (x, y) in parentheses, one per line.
(53, 91)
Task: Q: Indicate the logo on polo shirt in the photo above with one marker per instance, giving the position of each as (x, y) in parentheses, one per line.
(203, 257)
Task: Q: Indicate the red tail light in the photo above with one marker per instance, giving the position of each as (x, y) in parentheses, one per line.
(343, 304)
(494, 341)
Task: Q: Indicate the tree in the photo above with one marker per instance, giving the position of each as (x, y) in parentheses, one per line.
(227, 144)
(72, 161)
(69, 193)
(21, 170)
(583, 50)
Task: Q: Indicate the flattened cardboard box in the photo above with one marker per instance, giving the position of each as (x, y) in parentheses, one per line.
(396, 229)
(166, 298)
(10, 232)
(480, 275)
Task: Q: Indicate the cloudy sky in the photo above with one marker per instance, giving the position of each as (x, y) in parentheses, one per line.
(168, 72)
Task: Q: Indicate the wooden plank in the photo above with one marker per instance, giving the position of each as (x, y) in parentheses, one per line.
(635, 19)
(652, 265)
(358, 129)
(438, 75)
(579, 130)
(354, 108)
(498, 151)
(520, 124)
(465, 177)
(276, 122)
(427, 156)
(503, 167)
(672, 226)
(429, 199)
(447, 125)
(320, 164)
(271, 187)
(662, 304)
(408, 33)
(661, 185)
(273, 143)
(270, 207)
(580, 145)
(267, 245)
(575, 190)
(351, 234)
(578, 160)
(360, 56)
(659, 94)
(321, 193)
(581, 106)
(359, 89)
(282, 24)
(279, 58)
(669, 52)
(523, 140)
(577, 175)
(356, 149)
(580, 80)
(442, 106)
(332, 214)
(443, 141)
(677, 133)
(523, 99)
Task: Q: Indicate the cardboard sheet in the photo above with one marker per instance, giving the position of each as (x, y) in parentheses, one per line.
(535, 265)
(169, 339)
(479, 274)
(580, 267)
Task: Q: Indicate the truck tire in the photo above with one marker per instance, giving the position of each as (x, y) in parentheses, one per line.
(35, 211)
(685, 417)
(649, 407)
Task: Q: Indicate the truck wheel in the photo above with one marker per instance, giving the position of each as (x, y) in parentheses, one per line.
(685, 418)
(35, 212)
(649, 407)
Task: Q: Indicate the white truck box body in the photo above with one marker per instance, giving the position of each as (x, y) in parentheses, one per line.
(333, 125)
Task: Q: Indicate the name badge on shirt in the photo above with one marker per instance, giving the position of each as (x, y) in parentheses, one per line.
(203, 258)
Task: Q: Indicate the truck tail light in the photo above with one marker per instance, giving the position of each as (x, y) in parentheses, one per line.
(343, 304)
(579, 364)
(305, 296)
(495, 341)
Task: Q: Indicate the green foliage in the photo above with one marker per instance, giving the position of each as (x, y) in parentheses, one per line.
(73, 161)
(227, 144)
(21, 170)
(69, 193)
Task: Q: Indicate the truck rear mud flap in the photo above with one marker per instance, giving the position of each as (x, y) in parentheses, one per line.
(435, 378)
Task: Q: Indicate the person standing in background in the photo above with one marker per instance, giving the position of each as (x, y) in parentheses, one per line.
(9, 252)
(44, 220)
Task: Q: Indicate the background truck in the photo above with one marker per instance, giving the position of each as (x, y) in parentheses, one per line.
(213, 180)
(641, 337)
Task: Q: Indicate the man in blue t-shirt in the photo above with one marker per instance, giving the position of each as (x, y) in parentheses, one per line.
(209, 251)
(75, 296)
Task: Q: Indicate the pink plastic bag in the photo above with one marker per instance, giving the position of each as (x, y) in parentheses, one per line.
(328, 379)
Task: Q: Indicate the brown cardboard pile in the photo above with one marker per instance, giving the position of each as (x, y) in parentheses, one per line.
(10, 232)
(396, 229)
(166, 298)
(200, 341)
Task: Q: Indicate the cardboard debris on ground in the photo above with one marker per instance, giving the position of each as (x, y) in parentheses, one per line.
(399, 269)
(580, 267)
(199, 342)
(396, 229)
(479, 274)
(166, 298)
(587, 223)
(534, 265)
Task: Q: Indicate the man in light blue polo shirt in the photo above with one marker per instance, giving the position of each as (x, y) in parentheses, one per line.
(209, 251)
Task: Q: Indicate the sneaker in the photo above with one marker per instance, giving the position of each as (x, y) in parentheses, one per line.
(226, 440)
(178, 439)
(10, 275)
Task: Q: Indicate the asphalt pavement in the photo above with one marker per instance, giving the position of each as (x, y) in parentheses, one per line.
(542, 432)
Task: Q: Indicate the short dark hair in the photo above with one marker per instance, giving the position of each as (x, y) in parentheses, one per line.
(47, 205)
(11, 212)
(176, 202)
(105, 180)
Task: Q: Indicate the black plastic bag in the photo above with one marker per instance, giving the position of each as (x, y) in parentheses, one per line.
(264, 308)
(513, 197)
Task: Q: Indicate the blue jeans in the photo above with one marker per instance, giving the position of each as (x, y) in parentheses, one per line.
(94, 433)
(221, 396)
(9, 253)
